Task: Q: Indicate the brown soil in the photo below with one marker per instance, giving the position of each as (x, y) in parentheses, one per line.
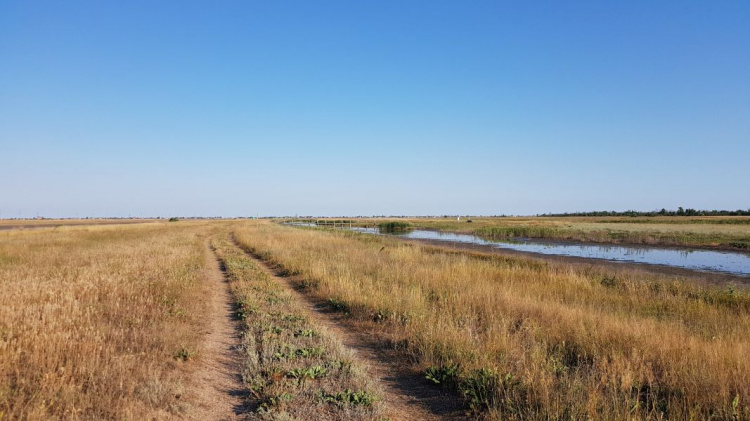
(407, 396)
(218, 393)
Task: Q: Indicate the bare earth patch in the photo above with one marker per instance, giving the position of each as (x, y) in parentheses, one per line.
(219, 393)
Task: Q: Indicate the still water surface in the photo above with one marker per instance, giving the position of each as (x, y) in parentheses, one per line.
(735, 263)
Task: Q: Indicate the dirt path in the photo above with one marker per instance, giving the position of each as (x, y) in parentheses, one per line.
(407, 395)
(220, 393)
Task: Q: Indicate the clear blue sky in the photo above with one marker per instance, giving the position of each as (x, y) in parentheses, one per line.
(382, 107)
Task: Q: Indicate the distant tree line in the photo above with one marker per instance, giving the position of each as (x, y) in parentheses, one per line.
(663, 212)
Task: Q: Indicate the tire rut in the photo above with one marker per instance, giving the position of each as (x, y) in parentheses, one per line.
(407, 395)
(219, 390)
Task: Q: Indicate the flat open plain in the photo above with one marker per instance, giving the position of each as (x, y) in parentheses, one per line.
(254, 320)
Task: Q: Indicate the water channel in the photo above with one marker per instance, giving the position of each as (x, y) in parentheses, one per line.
(727, 262)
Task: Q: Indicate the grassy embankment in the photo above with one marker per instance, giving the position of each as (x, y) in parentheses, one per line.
(708, 232)
(523, 339)
(94, 322)
(293, 367)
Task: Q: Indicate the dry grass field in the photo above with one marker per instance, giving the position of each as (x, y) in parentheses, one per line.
(46, 223)
(521, 338)
(106, 322)
(95, 321)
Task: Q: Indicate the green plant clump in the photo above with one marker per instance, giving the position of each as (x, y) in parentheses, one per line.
(184, 354)
(349, 398)
(313, 373)
(394, 226)
(444, 376)
(338, 305)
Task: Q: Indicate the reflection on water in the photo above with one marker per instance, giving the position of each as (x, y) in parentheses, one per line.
(704, 260)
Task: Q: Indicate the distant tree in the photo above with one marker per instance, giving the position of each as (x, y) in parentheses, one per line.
(664, 212)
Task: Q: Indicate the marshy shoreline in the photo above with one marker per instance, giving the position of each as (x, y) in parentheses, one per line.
(701, 277)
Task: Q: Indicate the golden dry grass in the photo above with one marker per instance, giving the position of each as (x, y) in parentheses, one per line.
(536, 340)
(91, 320)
